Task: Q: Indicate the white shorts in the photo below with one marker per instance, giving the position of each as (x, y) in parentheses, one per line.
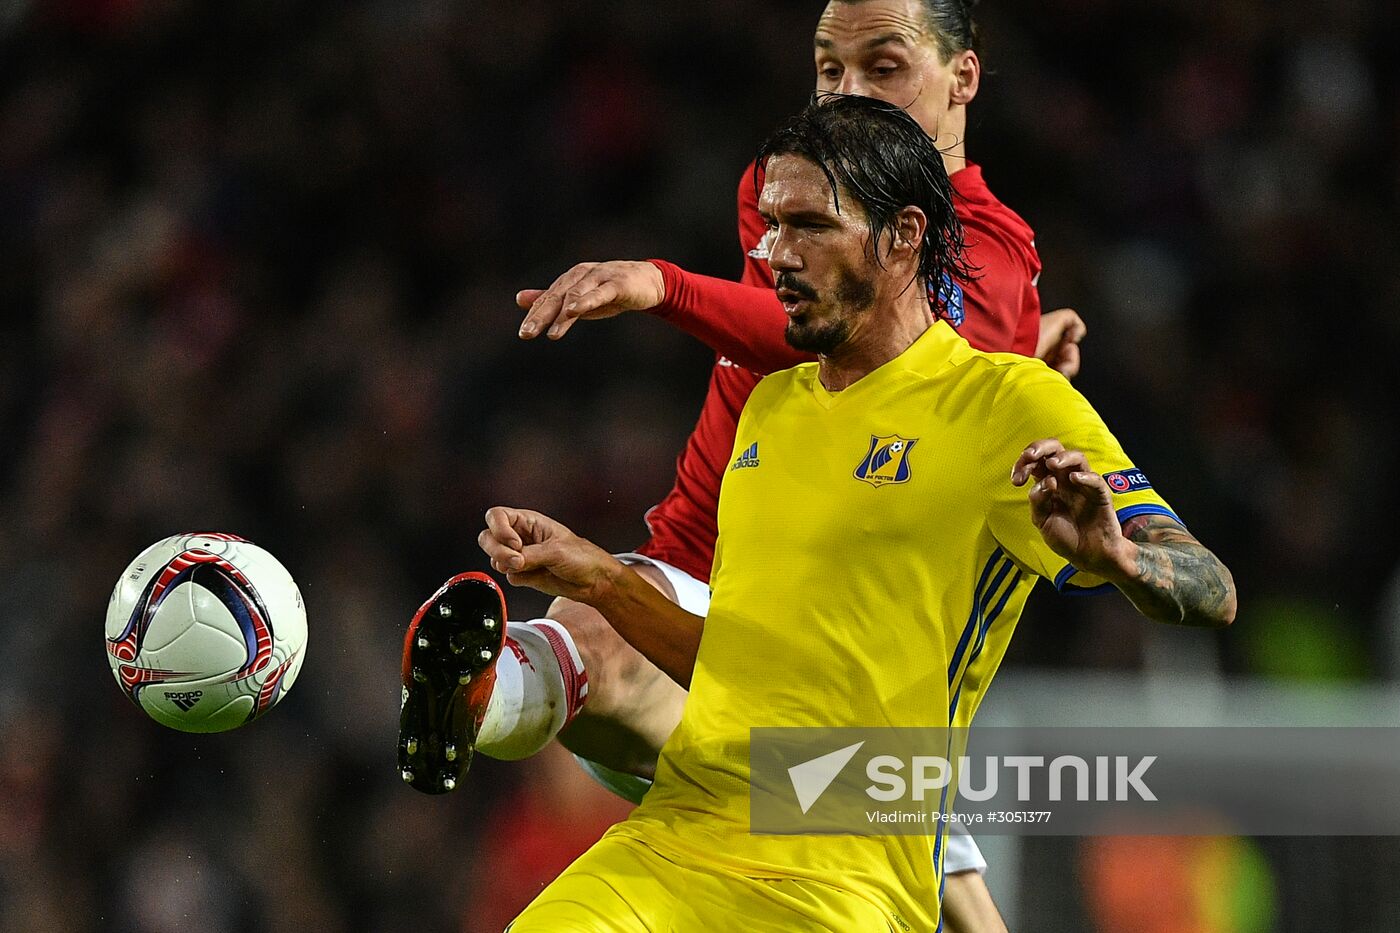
(694, 597)
(691, 595)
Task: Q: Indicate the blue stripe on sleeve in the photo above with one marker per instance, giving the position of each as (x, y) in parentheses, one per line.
(1147, 508)
(1124, 515)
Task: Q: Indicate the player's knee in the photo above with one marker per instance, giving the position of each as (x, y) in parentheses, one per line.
(616, 671)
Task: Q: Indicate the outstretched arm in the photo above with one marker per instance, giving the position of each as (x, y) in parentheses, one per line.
(1166, 573)
(534, 550)
(743, 323)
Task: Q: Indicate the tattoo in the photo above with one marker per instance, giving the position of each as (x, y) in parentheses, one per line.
(1178, 579)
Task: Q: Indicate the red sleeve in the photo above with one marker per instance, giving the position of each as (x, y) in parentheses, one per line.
(742, 323)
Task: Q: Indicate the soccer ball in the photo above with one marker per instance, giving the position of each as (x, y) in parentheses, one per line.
(205, 632)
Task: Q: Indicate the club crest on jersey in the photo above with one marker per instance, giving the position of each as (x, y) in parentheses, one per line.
(1127, 481)
(887, 460)
(948, 301)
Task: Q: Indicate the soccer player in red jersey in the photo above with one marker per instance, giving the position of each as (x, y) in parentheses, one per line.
(920, 54)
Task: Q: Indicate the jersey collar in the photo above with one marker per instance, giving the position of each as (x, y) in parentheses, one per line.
(969, 184)
(924, 357)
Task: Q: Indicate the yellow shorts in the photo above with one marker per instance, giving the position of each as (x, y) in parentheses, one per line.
(622, 885)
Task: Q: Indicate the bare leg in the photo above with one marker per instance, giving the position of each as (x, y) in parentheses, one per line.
(632, 706)
(968, 906)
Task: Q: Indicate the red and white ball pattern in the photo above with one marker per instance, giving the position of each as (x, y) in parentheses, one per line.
(205, 632)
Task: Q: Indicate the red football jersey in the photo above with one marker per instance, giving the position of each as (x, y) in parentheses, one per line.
(997, 310)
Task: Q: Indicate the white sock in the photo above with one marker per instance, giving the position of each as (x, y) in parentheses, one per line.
(540, 685)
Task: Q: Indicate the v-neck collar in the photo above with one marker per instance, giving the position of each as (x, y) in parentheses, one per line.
(925, 355)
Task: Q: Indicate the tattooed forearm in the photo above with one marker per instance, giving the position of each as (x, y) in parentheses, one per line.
(1177, 579)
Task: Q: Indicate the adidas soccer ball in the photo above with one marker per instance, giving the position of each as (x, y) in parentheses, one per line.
(205, 632)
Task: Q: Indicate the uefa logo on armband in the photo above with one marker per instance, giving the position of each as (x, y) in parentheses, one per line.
(1124, 481)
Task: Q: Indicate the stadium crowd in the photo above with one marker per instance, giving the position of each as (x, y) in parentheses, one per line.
(257, 263)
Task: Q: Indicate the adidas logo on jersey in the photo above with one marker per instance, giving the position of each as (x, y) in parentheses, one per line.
(748, 458)
(764, 247)
(185, 701)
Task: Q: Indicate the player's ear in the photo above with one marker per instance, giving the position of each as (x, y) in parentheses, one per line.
(908, 229)
(967, 77)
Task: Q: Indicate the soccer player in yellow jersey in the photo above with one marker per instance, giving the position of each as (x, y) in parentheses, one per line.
(874, 551)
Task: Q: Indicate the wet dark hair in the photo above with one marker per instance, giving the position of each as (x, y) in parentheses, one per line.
(951, 23)
(879, 156)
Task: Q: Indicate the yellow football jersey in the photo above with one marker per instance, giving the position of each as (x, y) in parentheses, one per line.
(872, 562)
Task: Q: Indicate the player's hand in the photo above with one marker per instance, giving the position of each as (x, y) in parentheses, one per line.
(534, 550)
(1058, 345)
(1072, 507)
(590, 290)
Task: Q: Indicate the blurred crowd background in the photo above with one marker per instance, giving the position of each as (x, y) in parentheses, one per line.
(257, 262)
